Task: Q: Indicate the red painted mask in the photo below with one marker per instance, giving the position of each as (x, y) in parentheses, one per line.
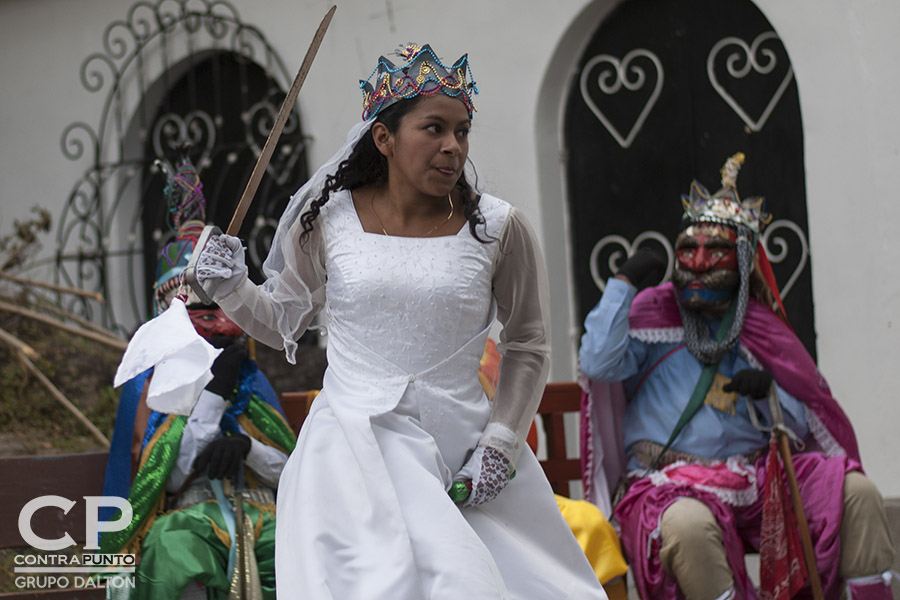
(212, 321)
(706, 267)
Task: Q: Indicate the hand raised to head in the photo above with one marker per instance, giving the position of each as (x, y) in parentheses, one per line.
(643, 268)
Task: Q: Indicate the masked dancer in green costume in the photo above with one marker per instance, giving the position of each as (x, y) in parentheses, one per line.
(172, 467)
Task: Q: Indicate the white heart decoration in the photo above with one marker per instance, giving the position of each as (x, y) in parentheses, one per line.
(621, 79)
(776, 246)
(751, 63)
(630, 248)
(779, 242)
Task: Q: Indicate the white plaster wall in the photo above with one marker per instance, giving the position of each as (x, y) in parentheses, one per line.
(843, 52)
(844, 58)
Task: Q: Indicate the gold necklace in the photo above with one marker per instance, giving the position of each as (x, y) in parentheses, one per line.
(427, 233)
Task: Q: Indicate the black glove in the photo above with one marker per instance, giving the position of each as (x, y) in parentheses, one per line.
(750, 382)
(223, 457)
(227, 366)
(644, 268)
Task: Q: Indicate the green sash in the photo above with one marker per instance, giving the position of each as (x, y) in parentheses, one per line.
(701, 389)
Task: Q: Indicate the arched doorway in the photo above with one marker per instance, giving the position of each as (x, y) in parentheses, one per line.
(662, 94)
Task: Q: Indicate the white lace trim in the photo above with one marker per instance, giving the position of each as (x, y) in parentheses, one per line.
(882, 578)
(657, 336)
(739, 465)
(729, 594)
(587, 476)
(823, 437)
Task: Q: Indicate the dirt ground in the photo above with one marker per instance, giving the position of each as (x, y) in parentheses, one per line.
(32, 421)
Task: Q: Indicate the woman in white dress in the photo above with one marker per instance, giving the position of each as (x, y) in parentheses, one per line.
(411, 267)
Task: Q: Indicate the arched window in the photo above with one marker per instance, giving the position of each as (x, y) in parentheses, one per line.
(171, 78)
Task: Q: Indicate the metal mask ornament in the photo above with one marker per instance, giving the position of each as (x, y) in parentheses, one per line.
(706, 271)
(175, 256)
(706, 267)
(715, 255)
(725, 206)
(422, 73)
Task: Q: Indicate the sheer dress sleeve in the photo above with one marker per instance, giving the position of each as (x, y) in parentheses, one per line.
(521, 291)
(279, 311)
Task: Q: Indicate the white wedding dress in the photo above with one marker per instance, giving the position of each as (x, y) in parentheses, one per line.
(362, 508)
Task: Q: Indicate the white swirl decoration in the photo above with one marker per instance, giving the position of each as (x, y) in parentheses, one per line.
(611, 80)
(628, 249)
(776, 245)
(173, 131)
(752, 58)
(769, 239)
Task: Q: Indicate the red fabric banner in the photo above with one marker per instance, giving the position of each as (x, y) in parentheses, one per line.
(782, 569)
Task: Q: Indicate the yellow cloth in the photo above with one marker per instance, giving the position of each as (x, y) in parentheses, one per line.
(596, 536)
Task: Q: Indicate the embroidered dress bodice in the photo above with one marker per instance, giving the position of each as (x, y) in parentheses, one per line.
(378, 286)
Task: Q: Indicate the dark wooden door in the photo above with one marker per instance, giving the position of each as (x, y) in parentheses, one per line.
(664, 93)
(222, 108)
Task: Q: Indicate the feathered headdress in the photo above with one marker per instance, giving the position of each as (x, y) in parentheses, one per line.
(187, 213)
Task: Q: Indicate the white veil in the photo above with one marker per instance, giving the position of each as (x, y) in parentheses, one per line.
(295, 279)
(275, 261)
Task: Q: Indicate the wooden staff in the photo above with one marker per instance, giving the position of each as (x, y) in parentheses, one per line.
(108, 340)
(259, 169)
(269, 147)
(784, 448)
(56, 288)
(19, 348)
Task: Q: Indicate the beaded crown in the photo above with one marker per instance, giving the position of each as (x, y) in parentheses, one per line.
(725, 206)
(422, 73)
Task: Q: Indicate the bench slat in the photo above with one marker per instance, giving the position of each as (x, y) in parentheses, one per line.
(27, 477)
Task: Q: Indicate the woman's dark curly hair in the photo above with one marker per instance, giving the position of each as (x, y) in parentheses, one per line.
(366, 165)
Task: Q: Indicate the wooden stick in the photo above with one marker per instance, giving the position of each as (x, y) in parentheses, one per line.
(18, 344)
(269, 147)
(54, 391)
(117, 343)
(784, 448)
(802, 524)
(56, 288)
(46, 305)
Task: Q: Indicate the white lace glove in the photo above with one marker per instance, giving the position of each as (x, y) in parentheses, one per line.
(489, 471)
(221, 266)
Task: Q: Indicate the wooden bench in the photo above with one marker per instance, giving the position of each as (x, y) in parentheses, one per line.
(76, 475)
(24, 478)
(559, 399)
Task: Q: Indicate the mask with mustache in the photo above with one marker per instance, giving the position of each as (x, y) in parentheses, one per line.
(706, 271)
